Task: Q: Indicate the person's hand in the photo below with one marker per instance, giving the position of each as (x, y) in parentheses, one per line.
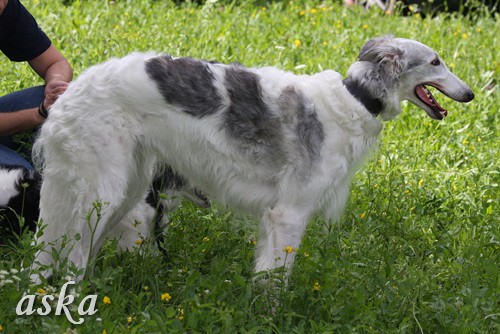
(3, 4)
(52, 91)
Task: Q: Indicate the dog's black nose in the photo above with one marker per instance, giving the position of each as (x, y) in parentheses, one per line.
(470, 96)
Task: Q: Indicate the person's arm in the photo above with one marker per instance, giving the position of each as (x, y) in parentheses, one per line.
(19, 121)
(3, 4)
(56, 71)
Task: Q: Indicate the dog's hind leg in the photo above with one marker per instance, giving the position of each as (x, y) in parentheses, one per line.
(86, 197)
(73, 229)
(118, 194)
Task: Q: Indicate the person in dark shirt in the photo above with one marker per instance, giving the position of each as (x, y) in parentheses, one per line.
(22, 40)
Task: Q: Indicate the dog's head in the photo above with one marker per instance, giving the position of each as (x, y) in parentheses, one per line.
(397, 69)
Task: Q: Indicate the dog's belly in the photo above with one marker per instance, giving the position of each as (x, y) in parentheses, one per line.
(205, 156)
(246, 188)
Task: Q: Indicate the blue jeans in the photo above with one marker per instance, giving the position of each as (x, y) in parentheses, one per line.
(23, 99)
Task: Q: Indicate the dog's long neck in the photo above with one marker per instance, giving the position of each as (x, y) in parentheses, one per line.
(372, 104)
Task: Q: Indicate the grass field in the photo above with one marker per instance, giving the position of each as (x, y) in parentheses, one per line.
(417, 250)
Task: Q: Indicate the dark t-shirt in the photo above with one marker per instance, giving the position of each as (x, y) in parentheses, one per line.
(20, 37)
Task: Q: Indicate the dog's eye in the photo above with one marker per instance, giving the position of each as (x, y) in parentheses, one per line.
(435, 62)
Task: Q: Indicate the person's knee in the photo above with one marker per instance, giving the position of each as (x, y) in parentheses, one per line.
(11, 158)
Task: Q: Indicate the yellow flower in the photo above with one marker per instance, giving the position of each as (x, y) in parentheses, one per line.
(302, 13)
(316, 286)
(314, 11)
(104, 331)
(1, 328)
(181, 314)
(129, 320)
(106, 300)
(465, 36)
(205, 239)
(306, 254)
(297, 42)
(365, 26)
(362, 216)
(41, 291)
(139, 242)
(288, 249)
(166, 297)
(420, 183)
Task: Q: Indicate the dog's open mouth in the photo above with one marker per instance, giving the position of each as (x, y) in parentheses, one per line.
(424, 95)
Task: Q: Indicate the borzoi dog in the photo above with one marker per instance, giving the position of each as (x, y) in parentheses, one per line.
(277, 145)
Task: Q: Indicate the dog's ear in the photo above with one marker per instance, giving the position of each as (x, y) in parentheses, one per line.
(386, 54)
(371, 50)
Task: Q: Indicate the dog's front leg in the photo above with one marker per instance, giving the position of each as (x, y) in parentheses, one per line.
(280, 234)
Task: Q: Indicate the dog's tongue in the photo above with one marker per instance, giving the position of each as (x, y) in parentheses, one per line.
(426, 96)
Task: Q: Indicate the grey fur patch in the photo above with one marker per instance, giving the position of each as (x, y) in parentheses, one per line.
(187, 83)
(168, 179)
(309, 129)
(248, 119)
(415, 62)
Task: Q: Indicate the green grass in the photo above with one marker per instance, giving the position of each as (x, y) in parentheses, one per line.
(417, 250)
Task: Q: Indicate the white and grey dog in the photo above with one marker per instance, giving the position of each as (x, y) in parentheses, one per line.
(279, 146)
